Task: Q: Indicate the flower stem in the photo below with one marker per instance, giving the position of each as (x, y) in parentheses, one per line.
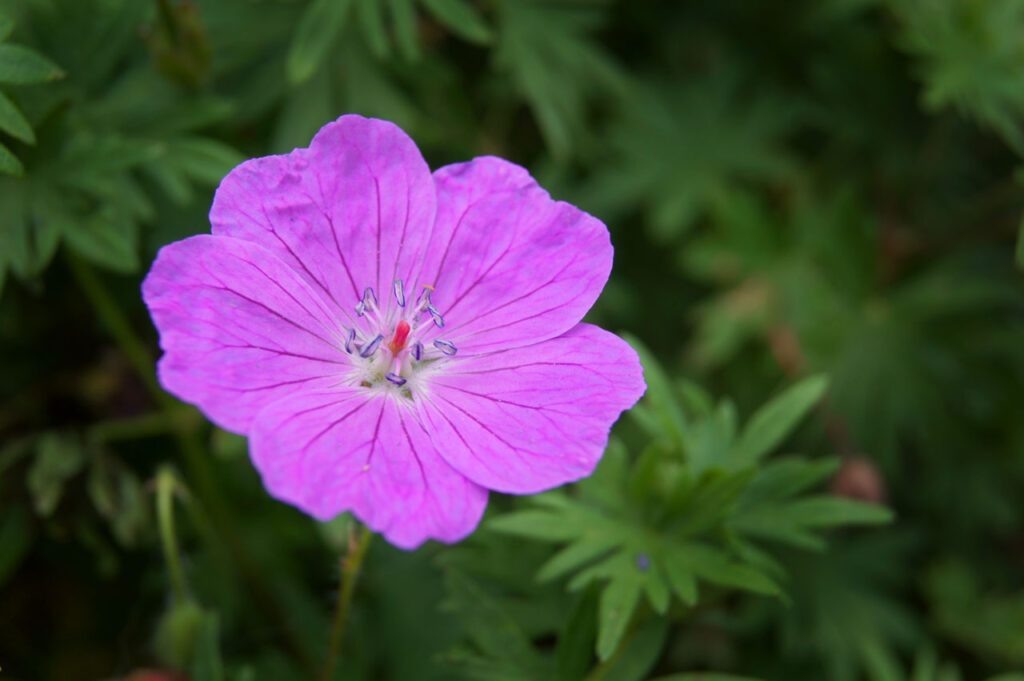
(165, 484)
(208, 502)
(350, 566)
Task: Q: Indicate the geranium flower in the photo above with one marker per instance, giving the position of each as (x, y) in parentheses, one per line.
(394, 343)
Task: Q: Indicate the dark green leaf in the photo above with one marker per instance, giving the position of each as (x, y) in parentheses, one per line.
(59, 457)
(9, 163)
(206, 661)
(319, 26)
(13, 122)
(575, 649)
(461, 18)
(638, 654)
(773, 422)
(22, 66)
(15, 540)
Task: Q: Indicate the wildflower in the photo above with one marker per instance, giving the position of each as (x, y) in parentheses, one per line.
(392, 342)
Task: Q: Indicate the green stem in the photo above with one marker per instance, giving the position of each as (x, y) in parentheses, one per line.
(350, 566)
(169, 19)
(208, 502)
(165, 484)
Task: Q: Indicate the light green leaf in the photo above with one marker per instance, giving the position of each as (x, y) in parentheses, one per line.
(317, 30)
(618, 601)
(828, 511)
(540, 525)
(22, 66)
(680, 577)
(714, 566)
(9, 163)
(772, 423)
(573, 556)
(13, 122)
(461, 18)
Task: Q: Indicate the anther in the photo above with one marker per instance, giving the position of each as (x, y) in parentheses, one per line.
(417, 350)
(424, 295)
(438, 319)
(400, 292)
(371, 347)
(447, 347)
(395, 378)
(349, 340)
(369, 297)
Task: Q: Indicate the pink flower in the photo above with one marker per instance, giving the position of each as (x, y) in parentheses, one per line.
(394, 343)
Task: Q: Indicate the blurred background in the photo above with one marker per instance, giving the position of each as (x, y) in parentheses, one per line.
(795, 190)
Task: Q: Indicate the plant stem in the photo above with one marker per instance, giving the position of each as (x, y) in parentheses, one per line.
(350, 566)
(208, 502)
(165, 484)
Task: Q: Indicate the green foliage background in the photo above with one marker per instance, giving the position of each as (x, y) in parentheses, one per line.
(815, 206)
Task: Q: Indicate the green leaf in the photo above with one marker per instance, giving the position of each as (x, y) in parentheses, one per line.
(660, 395)
(828, 511)
(107, 238)
(680, 577)
(403, 14)
(461, 18)
(59, 457)
(1020, 246)
(22, 66)
(618, 601)
(573, 556)
(316, 32)
(204, 159)
(206, 660)
(704, 676)
(541, 525)
(13, 122)
(714, 566)
(576, 641)
(773, 422)
(371, 20)
(638, 654)
(9, 163)
(15, 540)
(6, 23)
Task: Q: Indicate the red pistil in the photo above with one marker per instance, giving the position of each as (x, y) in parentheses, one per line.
(397, 343)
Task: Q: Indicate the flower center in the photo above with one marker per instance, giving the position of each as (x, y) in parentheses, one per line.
(400, 363)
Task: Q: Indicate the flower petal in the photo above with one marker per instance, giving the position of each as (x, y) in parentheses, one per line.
(532, 418)
(353, 210)
(509, 265)
(238, 327)
(331, 450)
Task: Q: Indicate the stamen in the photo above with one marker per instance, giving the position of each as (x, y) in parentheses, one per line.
(447, 347)
(400, 292)
(424, 294)
(397, 343)
(438, 319)
(395, 378)
(369, 297)
(417, 350)
(348, 341)
(371, 347)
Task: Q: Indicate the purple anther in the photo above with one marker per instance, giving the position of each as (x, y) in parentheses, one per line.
(417, 350)
(447, 347)
(348, 342)
(424, 294)
(371, 347)
(360, 309)
(400, 292)
(436, 316)
(643, 562)
(395, 378)
(369, 297)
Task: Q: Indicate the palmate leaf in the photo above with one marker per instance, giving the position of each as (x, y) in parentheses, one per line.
(654, 529)
(554, 65)
(970, 58)
(315, 34)
(673, 150)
